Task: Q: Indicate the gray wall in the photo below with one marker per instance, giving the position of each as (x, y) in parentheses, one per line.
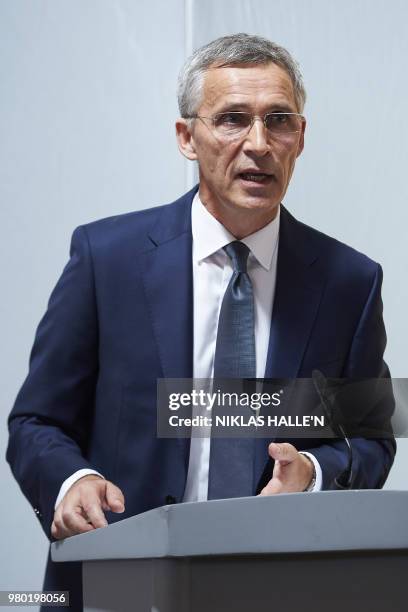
(87, 108)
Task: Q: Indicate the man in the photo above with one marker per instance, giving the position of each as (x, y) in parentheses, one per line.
(139, 287)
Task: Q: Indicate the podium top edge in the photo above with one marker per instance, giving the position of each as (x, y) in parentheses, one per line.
(288, 523)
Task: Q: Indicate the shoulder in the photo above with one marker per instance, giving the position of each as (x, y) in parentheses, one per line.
(136, 229)
(336, 257)
(120, 228)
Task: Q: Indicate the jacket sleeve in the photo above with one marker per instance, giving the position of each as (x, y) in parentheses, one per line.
(50, 422)
(372, 456)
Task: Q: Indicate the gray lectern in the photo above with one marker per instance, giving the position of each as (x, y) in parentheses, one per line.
(303, 552)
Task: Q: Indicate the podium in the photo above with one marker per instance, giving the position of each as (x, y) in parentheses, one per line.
(342, 551)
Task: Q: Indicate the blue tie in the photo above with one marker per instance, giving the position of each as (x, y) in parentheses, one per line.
(231, 459)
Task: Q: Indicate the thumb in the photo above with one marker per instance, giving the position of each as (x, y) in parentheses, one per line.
(114, 498)
(285, 453)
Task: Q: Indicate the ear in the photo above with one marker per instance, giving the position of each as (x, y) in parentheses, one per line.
(301, 139)
(185, 139)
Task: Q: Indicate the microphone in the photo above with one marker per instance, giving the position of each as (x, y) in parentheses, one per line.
(344, 480)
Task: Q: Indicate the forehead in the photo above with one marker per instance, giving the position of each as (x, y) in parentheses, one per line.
(249, 86)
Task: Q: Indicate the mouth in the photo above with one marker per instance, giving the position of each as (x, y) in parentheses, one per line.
(255, 177)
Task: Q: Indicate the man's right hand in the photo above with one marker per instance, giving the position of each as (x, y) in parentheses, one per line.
(81, 508)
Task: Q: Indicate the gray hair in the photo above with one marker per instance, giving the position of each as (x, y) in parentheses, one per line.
(230, 51)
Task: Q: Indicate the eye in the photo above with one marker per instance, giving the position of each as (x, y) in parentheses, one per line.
(276, 119)
(283, 123)
(233, 119)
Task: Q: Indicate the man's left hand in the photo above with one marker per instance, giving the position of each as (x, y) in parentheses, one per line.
(292, 472)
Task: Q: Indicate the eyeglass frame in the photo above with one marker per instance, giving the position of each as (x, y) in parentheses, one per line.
(253, 119)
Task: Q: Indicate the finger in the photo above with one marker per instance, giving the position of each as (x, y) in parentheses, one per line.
(68, 522)
(76, 522)
(114, 498)
(56, 531)
(58, 528)
(284, 452)
(92, 506)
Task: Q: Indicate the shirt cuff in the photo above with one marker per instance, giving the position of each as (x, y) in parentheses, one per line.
(319, 476)
(71, 480)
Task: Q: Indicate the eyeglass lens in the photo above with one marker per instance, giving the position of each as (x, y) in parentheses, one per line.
(236, 123)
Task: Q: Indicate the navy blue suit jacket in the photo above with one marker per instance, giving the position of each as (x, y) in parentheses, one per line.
(121, 316)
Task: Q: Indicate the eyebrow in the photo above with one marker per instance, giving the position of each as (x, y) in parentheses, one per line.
(243, 107)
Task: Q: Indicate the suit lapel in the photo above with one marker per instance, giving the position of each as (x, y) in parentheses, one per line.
(167, 277)
(167, 273)
(299, 289)
(168, 283)
(297, 298)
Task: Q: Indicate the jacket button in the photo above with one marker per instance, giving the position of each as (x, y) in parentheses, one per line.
(170, 499)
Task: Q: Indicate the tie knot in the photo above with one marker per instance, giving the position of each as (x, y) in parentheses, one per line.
(238, 253)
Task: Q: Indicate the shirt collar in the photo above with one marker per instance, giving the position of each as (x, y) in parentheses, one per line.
(209, 236)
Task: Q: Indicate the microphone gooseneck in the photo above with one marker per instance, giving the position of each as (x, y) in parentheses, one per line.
(344, 480)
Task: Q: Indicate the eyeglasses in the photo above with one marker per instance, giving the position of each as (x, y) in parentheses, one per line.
(237, 124)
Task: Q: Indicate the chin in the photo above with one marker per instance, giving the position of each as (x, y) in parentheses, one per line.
(261, 204)
(258, 196)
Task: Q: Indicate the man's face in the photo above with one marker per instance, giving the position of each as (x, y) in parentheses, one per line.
(225, 166)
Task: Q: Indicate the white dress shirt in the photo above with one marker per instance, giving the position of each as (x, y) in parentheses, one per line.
(212, 270)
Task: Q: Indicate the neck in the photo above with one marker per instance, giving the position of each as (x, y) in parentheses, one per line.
(240, 222)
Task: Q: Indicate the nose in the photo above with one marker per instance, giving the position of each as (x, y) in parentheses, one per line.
(257, 138)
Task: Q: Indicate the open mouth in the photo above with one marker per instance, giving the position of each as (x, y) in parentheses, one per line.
(256, 177)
